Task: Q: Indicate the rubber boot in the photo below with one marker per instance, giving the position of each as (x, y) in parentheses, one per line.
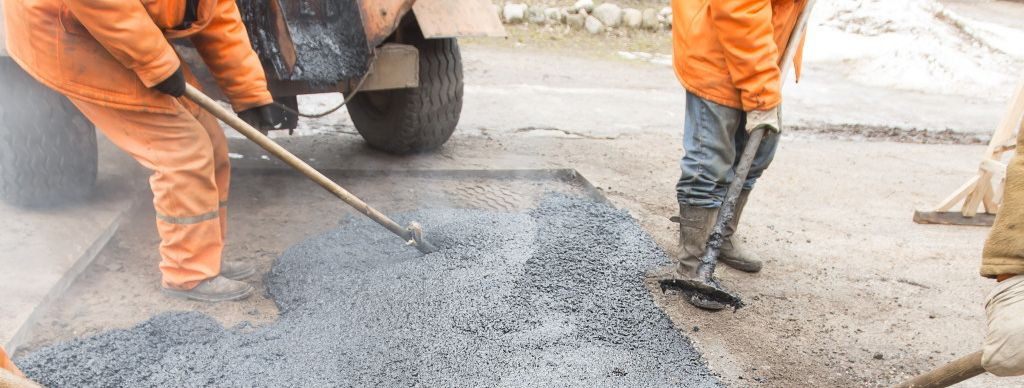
(695, 224)
(236, 270)
(733, 254)
(218, 289)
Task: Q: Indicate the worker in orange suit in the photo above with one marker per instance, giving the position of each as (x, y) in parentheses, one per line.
(726, 54)
(10, 375)
(113, 59)
(7, 364)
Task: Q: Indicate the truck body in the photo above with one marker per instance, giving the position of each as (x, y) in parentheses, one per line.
(397, 62)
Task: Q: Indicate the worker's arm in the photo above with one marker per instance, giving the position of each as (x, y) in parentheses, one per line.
(126, 30)
(225, 47)
(744, 28)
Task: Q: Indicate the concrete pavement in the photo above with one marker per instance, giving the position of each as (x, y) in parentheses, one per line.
(44, 251)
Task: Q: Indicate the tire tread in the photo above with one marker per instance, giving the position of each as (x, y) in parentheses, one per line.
(48, 152)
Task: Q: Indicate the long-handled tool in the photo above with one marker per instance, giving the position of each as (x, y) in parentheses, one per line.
(412, 234)
(954, 372)
(705, 284)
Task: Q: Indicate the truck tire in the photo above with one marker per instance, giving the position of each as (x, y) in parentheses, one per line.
(407, 121)
(47, 148)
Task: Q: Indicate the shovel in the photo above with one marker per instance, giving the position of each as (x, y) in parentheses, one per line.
(954, 372)
(411, 234)
(705, 284)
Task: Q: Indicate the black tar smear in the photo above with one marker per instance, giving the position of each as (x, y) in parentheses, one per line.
(552, 297)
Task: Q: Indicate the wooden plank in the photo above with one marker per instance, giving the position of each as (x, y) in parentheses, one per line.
(989, 201)
(957, 195)
(979, 190)
(953, 218)
(997, 168)
(970, 207)
(1009, 124)
(455, 18)
(998, 191)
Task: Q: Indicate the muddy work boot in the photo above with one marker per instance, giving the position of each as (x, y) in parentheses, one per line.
(733, 254)
(236, 269)
(218, 289)
(695, 224)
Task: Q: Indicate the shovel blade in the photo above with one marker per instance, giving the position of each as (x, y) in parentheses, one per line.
(710, 290)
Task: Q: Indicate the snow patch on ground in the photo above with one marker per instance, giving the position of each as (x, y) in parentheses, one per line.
(655, 58)
(916, 45)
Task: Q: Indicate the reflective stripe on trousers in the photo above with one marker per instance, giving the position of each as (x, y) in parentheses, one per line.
(191, 220)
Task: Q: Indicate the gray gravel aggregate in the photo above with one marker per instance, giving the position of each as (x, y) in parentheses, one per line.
(553, 296)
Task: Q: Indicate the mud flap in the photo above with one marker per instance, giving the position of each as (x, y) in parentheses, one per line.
(397, 67)
(457, 18)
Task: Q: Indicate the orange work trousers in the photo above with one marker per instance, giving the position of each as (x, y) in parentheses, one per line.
(188, 155)
(7, 364)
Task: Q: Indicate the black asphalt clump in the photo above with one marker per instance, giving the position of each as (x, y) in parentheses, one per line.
(328, 46)
(550, 297)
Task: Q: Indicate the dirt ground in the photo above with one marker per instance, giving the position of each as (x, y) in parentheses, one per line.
(853, 292)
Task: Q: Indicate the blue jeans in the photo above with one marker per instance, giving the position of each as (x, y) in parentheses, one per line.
(713, 140)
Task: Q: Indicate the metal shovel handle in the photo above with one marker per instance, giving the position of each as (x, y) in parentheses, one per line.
(726, 213)
(412, 235)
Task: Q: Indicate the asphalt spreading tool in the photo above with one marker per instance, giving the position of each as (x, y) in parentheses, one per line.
(705, 283)
(411, 234)
(952, 373)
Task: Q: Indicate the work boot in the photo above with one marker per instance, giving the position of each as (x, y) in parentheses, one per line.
(695, 224)
(236, 269)
(218, 289)
(732, 253)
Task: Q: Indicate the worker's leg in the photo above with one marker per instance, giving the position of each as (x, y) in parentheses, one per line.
(231, 269)
(706, 164)
(762, 159)
(764, 156)
(708, 137)
(221, 164)
(733, 253)
(180, 152)
(1003, 353)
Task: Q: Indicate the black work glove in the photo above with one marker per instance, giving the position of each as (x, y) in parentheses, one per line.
(263, 118)
(173, 85)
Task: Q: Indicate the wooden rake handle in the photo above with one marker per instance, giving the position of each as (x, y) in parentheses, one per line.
(954, 372)
(290, 159)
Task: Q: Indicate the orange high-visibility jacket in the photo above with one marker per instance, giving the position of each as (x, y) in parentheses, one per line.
(111, 52)
(727, 51)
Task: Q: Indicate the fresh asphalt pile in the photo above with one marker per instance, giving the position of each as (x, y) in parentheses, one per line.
(552, 296)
